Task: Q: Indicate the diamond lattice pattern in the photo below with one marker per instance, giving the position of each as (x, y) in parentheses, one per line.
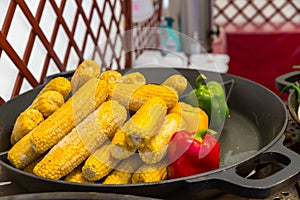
(256, 11)
(40, 38)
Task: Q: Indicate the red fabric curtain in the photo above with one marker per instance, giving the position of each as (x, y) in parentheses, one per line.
(263, 56)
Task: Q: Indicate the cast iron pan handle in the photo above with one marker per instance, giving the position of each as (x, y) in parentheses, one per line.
(287, 79)
(230, 181)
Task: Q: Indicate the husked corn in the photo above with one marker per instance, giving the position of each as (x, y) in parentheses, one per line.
(122, 92)
(22, 153)
(99, 164)
(145, 123)
(26, 121)
(83, 140)
(178, 82)
(111, 76)
(156, 149)
(58, 84)
(102, 125)
(29, 168)
(77, 176)
(49, 99)
(133, 96)
(150, 173)
(62, 158)
(119, 148)
(133, 78)
(64, 119)
(123, 172)
(85, 71)
(48, 102)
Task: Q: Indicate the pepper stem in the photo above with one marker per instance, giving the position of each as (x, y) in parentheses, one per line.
(200, 80)
(200, 134)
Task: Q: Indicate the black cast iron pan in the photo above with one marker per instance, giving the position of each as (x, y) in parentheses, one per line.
(251, 142)
(74, 195)
(285, 80)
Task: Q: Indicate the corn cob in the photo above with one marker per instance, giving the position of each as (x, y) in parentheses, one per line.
(45, 103)
(42, 107)
(178, 82)
(99, 164)
(123, 172)
(102, 125)
(145, 123)
(26, 121)
(84, 72)
(119, 148)
(64, 119)
(83, 140)
(122, 92)
(77, 176)
(111, 76)
(48, 102)
(22, 153)
(133, 78)
(134, 96)
(150, 173)
(58, 84)
(29, 168)
(156, 149)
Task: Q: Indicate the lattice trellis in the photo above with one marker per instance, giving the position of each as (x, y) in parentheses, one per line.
(148, 38)
(39, 38)
(257, 12)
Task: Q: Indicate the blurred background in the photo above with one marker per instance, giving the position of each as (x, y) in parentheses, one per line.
(261, 37)
(255, 39)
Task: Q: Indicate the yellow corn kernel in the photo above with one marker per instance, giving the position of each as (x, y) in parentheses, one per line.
(123, 172)
(178, 82)
(156, 149)
(122, 92)
(84, 72)
(64, 119)
(99, 164)
(77, 176)
(22, 153)
(150, 173)
(48, 102)
(62, 158)
(83, 140)
(111, 76)
(145, 123)
(29, 168)
(133, 96)
(133, 78)
(58, 84)
(26, 121)
(119, 148)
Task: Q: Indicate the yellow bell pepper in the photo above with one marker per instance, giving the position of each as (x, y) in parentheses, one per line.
(195, 118)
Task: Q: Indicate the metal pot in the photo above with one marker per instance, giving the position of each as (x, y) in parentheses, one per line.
(196, 21)
(285, 80)
(251, 141)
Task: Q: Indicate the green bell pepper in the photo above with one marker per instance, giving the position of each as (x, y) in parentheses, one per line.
(211, 98)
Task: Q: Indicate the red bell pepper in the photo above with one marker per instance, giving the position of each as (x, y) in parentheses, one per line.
(192, 153)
